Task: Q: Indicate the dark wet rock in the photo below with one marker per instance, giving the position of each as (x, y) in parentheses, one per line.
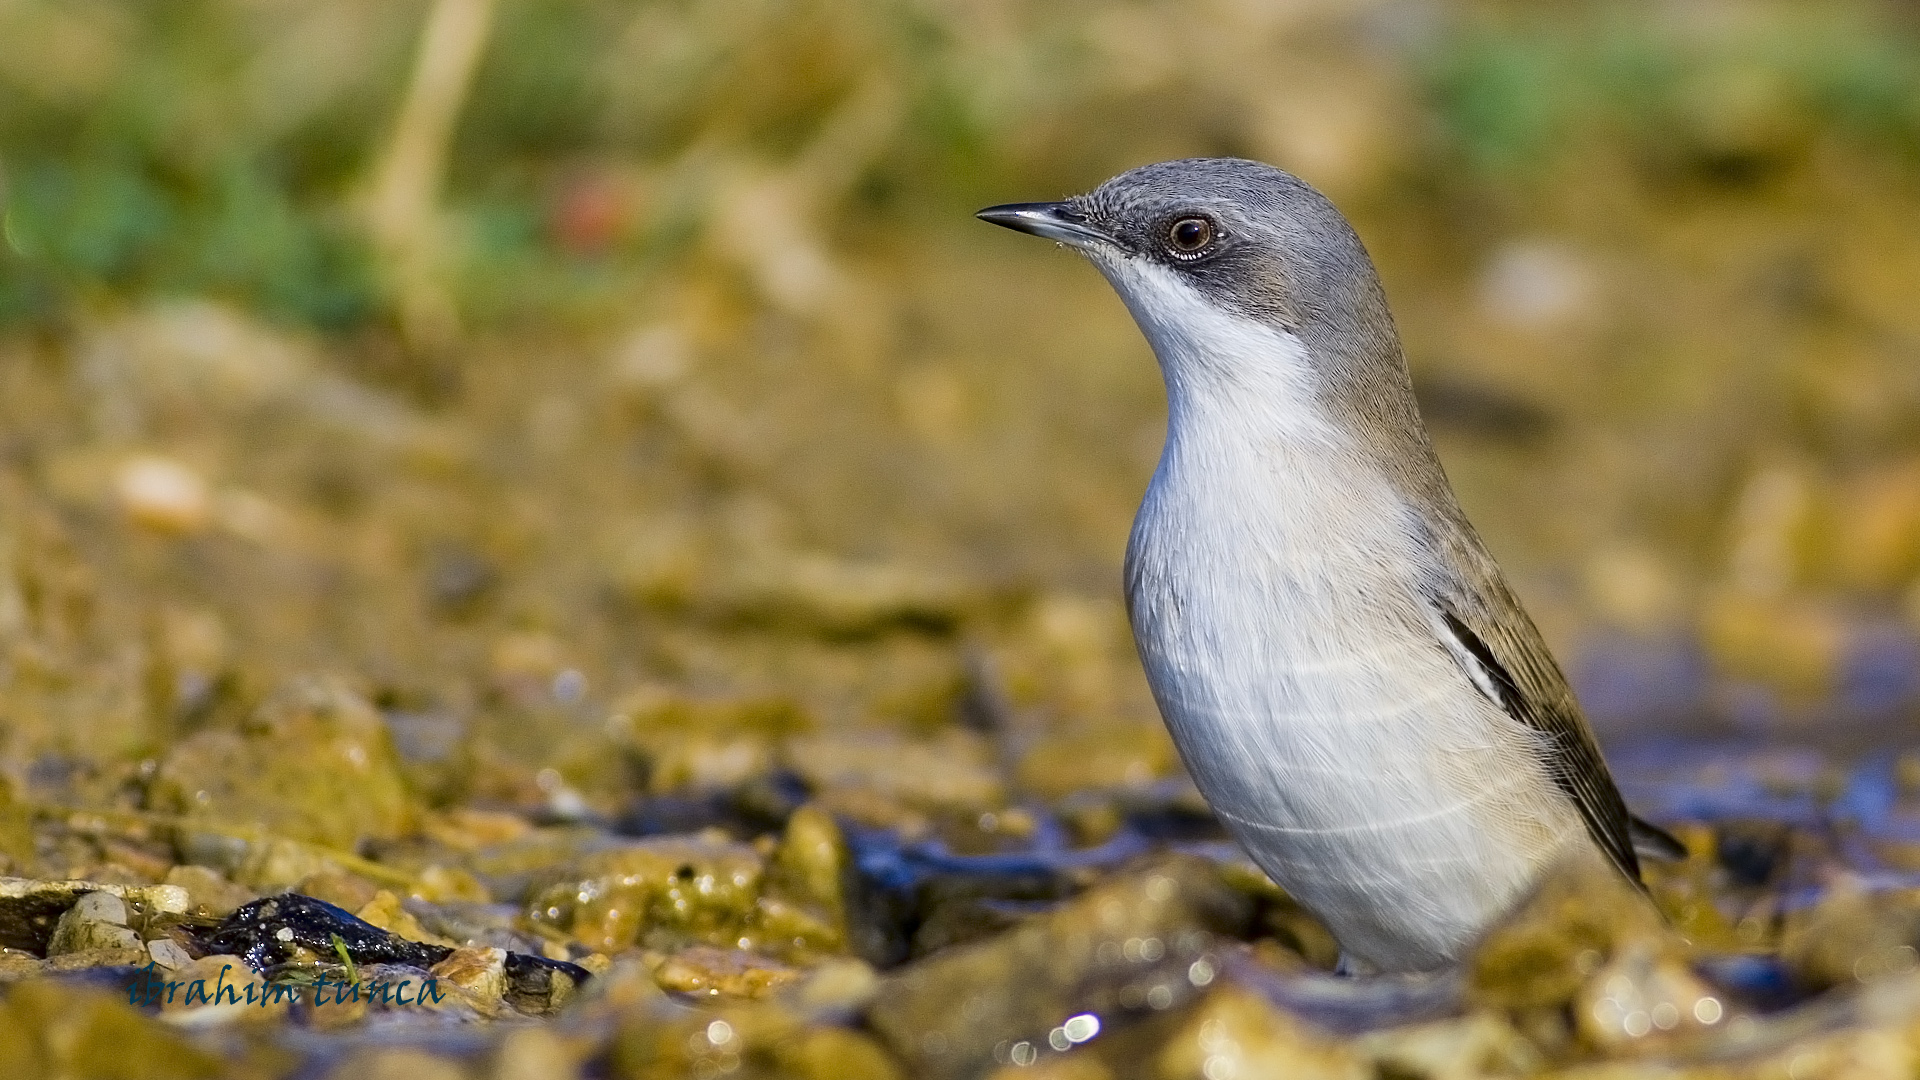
(963, 919)
(1753, 853)
(1125, 948)
(760, 804)
(1753, 982)
(1171, 810)
(899, 887)
(284, 928)
(540, 986)
(267, 932)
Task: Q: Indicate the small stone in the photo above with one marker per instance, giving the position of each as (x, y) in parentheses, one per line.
(719, 1042)
(397, 1064)
(954, 771)
(1111, 755)
(1853, 934)
(162, 494)
(667, 890)
(341, 888)
(1235, 1033)
(315, 764)
(30, 910)
(168, 953)
(838, 988)
(79, 930)
(708, 971)
(1125, 944)
(1064, 1067)
(109, 956)
(806, 872)
(210, 892)
(534, 1053)
(101, 907)
(479, 974)
(1643, 998)
(387, 912)
(1537, 285)
(56, 1029)
(450, 885)
(16, 965)
(1541, 955)
(1480, 1044)
(221, 989)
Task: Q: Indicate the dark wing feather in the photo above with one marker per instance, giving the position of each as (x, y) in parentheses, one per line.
(1529, 685)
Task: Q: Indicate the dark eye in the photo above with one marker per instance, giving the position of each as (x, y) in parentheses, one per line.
(1188, 236)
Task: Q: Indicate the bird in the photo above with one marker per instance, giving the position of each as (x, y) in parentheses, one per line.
(1348, 678)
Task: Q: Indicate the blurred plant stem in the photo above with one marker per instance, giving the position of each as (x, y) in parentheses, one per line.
(770, 217)
(402, 204)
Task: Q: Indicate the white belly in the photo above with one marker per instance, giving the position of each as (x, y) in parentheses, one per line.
(1331, 730)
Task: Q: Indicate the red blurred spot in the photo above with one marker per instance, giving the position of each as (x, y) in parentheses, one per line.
(590, 214)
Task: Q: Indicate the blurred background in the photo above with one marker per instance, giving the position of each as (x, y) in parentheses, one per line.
(620, 395)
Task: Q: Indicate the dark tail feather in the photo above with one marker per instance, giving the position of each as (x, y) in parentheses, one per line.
(1653, 842)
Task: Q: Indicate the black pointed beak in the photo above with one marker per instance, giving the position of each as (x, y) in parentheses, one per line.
(1053, 220)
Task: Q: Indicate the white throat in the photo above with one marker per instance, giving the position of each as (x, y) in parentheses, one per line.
(1237, 372)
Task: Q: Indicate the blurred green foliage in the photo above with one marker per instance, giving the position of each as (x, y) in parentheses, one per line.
(213, 147)
(1507, 97)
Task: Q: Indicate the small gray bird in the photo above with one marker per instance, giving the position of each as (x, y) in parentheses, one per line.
(1348, 678)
